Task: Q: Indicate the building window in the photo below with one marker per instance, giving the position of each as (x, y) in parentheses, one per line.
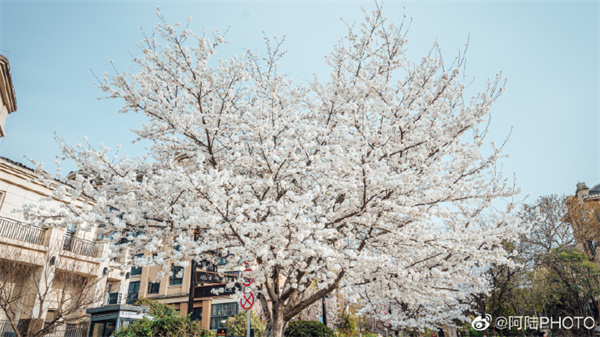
(132, 292)
(2, 195)
(196, 314)
(153, 288)
(136, 270)
(176, 276)
(220, 312)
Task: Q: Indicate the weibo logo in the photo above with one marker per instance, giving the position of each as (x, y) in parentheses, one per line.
(480, 323)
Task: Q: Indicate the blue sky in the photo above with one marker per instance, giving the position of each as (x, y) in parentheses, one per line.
(548, 51)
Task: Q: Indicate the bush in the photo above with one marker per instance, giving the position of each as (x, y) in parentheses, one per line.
(237, 325)
(165, 321)
(307, 329)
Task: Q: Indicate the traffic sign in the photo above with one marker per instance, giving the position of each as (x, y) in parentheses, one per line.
(246, 282)
(247, 301)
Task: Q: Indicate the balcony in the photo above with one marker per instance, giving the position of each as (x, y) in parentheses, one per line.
(17, 230)
(80, 246)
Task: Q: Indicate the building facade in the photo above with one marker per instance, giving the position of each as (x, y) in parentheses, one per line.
(8, 101)
(48, 275)
(208, 308)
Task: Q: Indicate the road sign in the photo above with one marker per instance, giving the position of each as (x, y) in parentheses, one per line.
(247, 300)
(246, 282)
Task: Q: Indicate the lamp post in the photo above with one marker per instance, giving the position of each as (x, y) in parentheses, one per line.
(193, 277)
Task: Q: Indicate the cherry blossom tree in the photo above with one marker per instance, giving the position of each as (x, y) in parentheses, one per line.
(378, 181)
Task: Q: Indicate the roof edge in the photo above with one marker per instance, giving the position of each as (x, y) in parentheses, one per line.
(6, 85)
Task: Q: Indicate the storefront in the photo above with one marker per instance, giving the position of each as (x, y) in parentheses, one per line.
(106, 320)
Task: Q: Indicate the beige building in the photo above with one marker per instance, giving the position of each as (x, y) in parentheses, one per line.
(61, 272)
(47, 274)
(174, 289)
(583, 193)
(8, 101)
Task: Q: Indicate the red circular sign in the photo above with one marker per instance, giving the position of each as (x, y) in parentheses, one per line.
(247, 301)
(246, 282)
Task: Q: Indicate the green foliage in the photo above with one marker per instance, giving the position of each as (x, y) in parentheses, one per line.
(157, 309)
(236, 325)
(307, 329)
(348, 323)
(571, 280)
(165, 321)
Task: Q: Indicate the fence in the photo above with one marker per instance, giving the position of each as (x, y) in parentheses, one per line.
(17, 230)
(80, 246)
(6, 329)
(66, 330)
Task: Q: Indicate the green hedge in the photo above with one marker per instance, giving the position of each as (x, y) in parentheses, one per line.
(307, 329)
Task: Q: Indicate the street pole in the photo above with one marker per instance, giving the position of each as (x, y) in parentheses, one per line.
(324, 311)
(249, 325)
(193, 277)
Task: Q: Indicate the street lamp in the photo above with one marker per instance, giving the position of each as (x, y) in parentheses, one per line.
(324, 310)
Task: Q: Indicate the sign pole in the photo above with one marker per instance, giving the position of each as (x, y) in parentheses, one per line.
(247, 300)
(249, 324)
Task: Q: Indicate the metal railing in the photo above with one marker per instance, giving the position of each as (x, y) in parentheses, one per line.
(6, 329)
(68, 330)
(65, 330)
(17, 230)
(81, 246)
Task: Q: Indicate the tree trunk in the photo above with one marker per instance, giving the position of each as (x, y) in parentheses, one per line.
(276, 325)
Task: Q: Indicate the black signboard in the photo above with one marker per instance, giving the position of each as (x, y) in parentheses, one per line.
(210, 277)
(205, 265)
(215, 290)
(221, 332)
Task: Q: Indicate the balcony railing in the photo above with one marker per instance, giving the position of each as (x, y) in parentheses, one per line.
(65, 330)
(6, 330)
(80, 246)
(17, 230)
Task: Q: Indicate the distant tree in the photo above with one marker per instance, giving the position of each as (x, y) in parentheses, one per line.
(550, 227)
(584, 218)
(573, 284)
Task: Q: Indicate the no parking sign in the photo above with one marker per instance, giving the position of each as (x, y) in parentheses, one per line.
(247, 300)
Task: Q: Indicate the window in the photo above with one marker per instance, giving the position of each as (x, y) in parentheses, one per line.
(220, 312)
(176, 276)
(196, 314)
(2, 194)
(136, 270)
(153, 288)
(132, 292)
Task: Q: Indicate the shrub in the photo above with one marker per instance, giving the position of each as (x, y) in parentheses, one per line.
(307, 329)
(237, 325)
(165, 321)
